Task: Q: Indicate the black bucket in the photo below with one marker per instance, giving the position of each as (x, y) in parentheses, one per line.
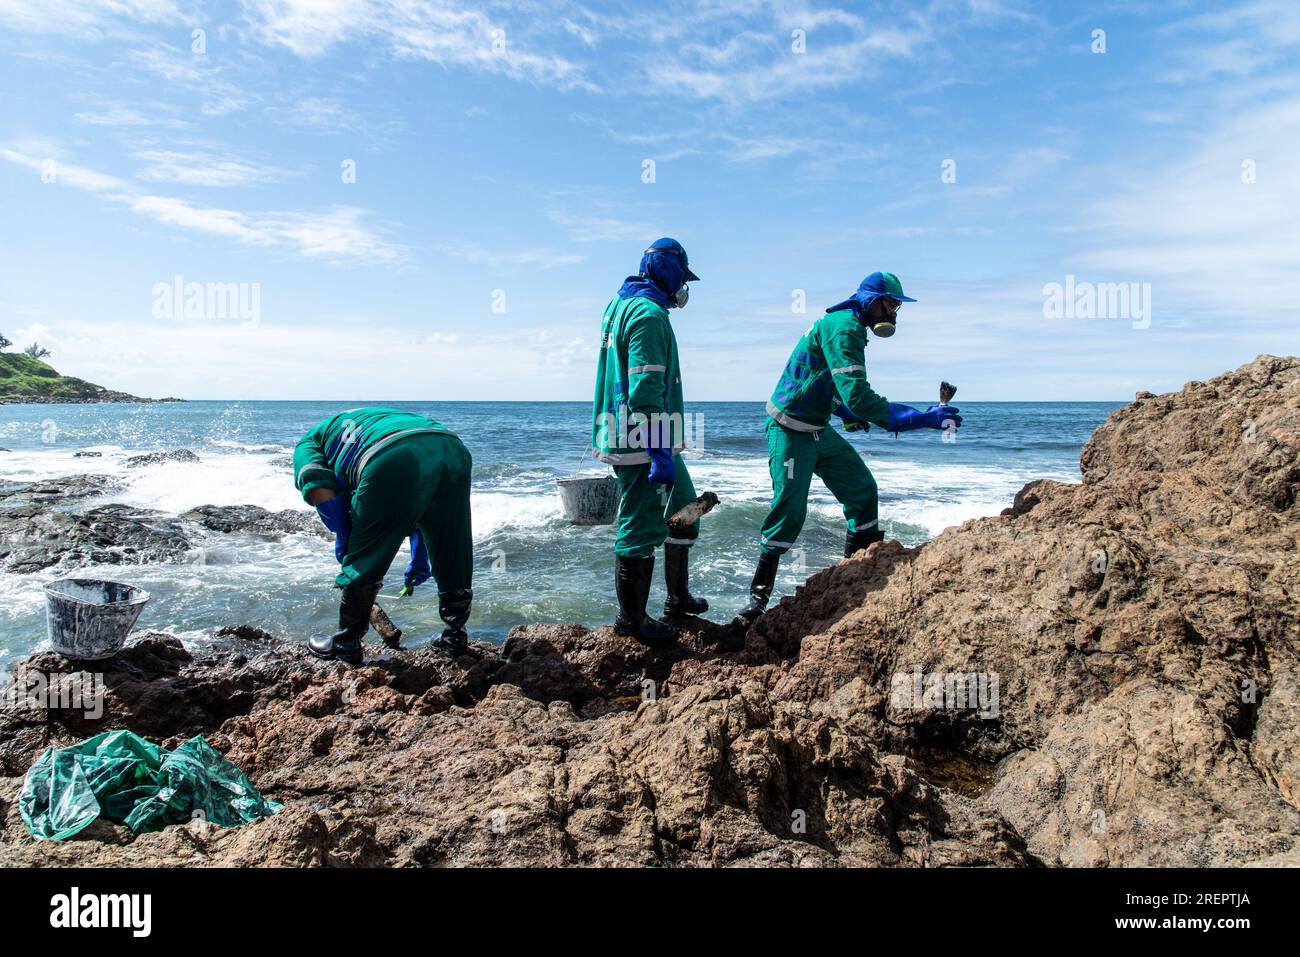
(88, 618)
(589, 500)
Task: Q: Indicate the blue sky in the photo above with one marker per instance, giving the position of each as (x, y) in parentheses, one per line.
(500, 151)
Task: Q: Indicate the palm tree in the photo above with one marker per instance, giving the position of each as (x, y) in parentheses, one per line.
(37, 351)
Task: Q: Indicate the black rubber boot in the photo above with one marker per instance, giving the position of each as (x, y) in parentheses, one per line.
(632, 577)
(453, 607)
(856, 541)
(760, 589)
(354, 622)
(677, 577)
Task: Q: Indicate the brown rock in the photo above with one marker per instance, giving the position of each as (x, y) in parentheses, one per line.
(1133, 645)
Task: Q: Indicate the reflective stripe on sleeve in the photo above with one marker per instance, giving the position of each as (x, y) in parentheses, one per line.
(314, 467)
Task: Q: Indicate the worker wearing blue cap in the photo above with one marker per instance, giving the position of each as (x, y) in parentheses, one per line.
(638, 428)
(827, 374)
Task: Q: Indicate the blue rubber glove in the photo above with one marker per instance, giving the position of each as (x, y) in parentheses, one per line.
(417, 569)
(335, 516)
(662, 469)
(851, 422)
(904, 418)
(660, 448)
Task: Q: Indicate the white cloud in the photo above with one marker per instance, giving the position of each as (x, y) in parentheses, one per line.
(583, 33)
(49, 163)
(202, 168)
(338, 232)
(276, 359)
(1019, 168)
(203, 75)
(372, 129)
(122, 116)
(756, 65)
(597, 226)
(59, 16)
(561, 349)
(177, 212)
(1235, 42)
(437, 31)
(1193, 227)
(478, 255)
(752, 148)
(307, 28)
(322, 114)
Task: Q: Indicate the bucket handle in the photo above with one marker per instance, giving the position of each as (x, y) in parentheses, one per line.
(582, 458)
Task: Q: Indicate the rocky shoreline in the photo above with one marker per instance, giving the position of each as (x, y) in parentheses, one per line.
(1133, 645)
(106, 396)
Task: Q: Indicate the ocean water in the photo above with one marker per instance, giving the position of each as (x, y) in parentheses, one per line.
(530, 564)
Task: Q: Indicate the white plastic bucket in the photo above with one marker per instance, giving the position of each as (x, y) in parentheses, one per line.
(88, 618)
(589, 500)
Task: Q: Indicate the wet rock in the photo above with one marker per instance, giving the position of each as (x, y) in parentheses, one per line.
(247, 633)
(86, 454)
(57, 492)
(39, 528)
(34, 537)
(161, 458)
(251, 518)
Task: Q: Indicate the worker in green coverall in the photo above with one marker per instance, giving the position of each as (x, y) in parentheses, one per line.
(827, 374)
(375, 476)
(638, 427)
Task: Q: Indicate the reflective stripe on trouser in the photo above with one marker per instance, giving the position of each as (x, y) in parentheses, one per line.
(641, 525)
(793, 459)
(421, 481)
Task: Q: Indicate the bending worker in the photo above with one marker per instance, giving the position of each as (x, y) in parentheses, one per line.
(827, 374)
(638, 428)
(374, 475)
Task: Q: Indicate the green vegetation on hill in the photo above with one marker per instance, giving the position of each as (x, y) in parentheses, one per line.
(23, 378)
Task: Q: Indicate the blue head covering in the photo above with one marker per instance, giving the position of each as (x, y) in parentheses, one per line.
(664, 270)
(873, 287)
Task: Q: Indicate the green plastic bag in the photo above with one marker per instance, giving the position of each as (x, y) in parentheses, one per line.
(131, 781)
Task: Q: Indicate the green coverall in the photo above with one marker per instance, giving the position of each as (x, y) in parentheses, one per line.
(826, 369)
(401, 471)
(637, 379)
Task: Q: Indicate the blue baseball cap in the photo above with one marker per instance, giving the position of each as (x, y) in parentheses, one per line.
(667, 245)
